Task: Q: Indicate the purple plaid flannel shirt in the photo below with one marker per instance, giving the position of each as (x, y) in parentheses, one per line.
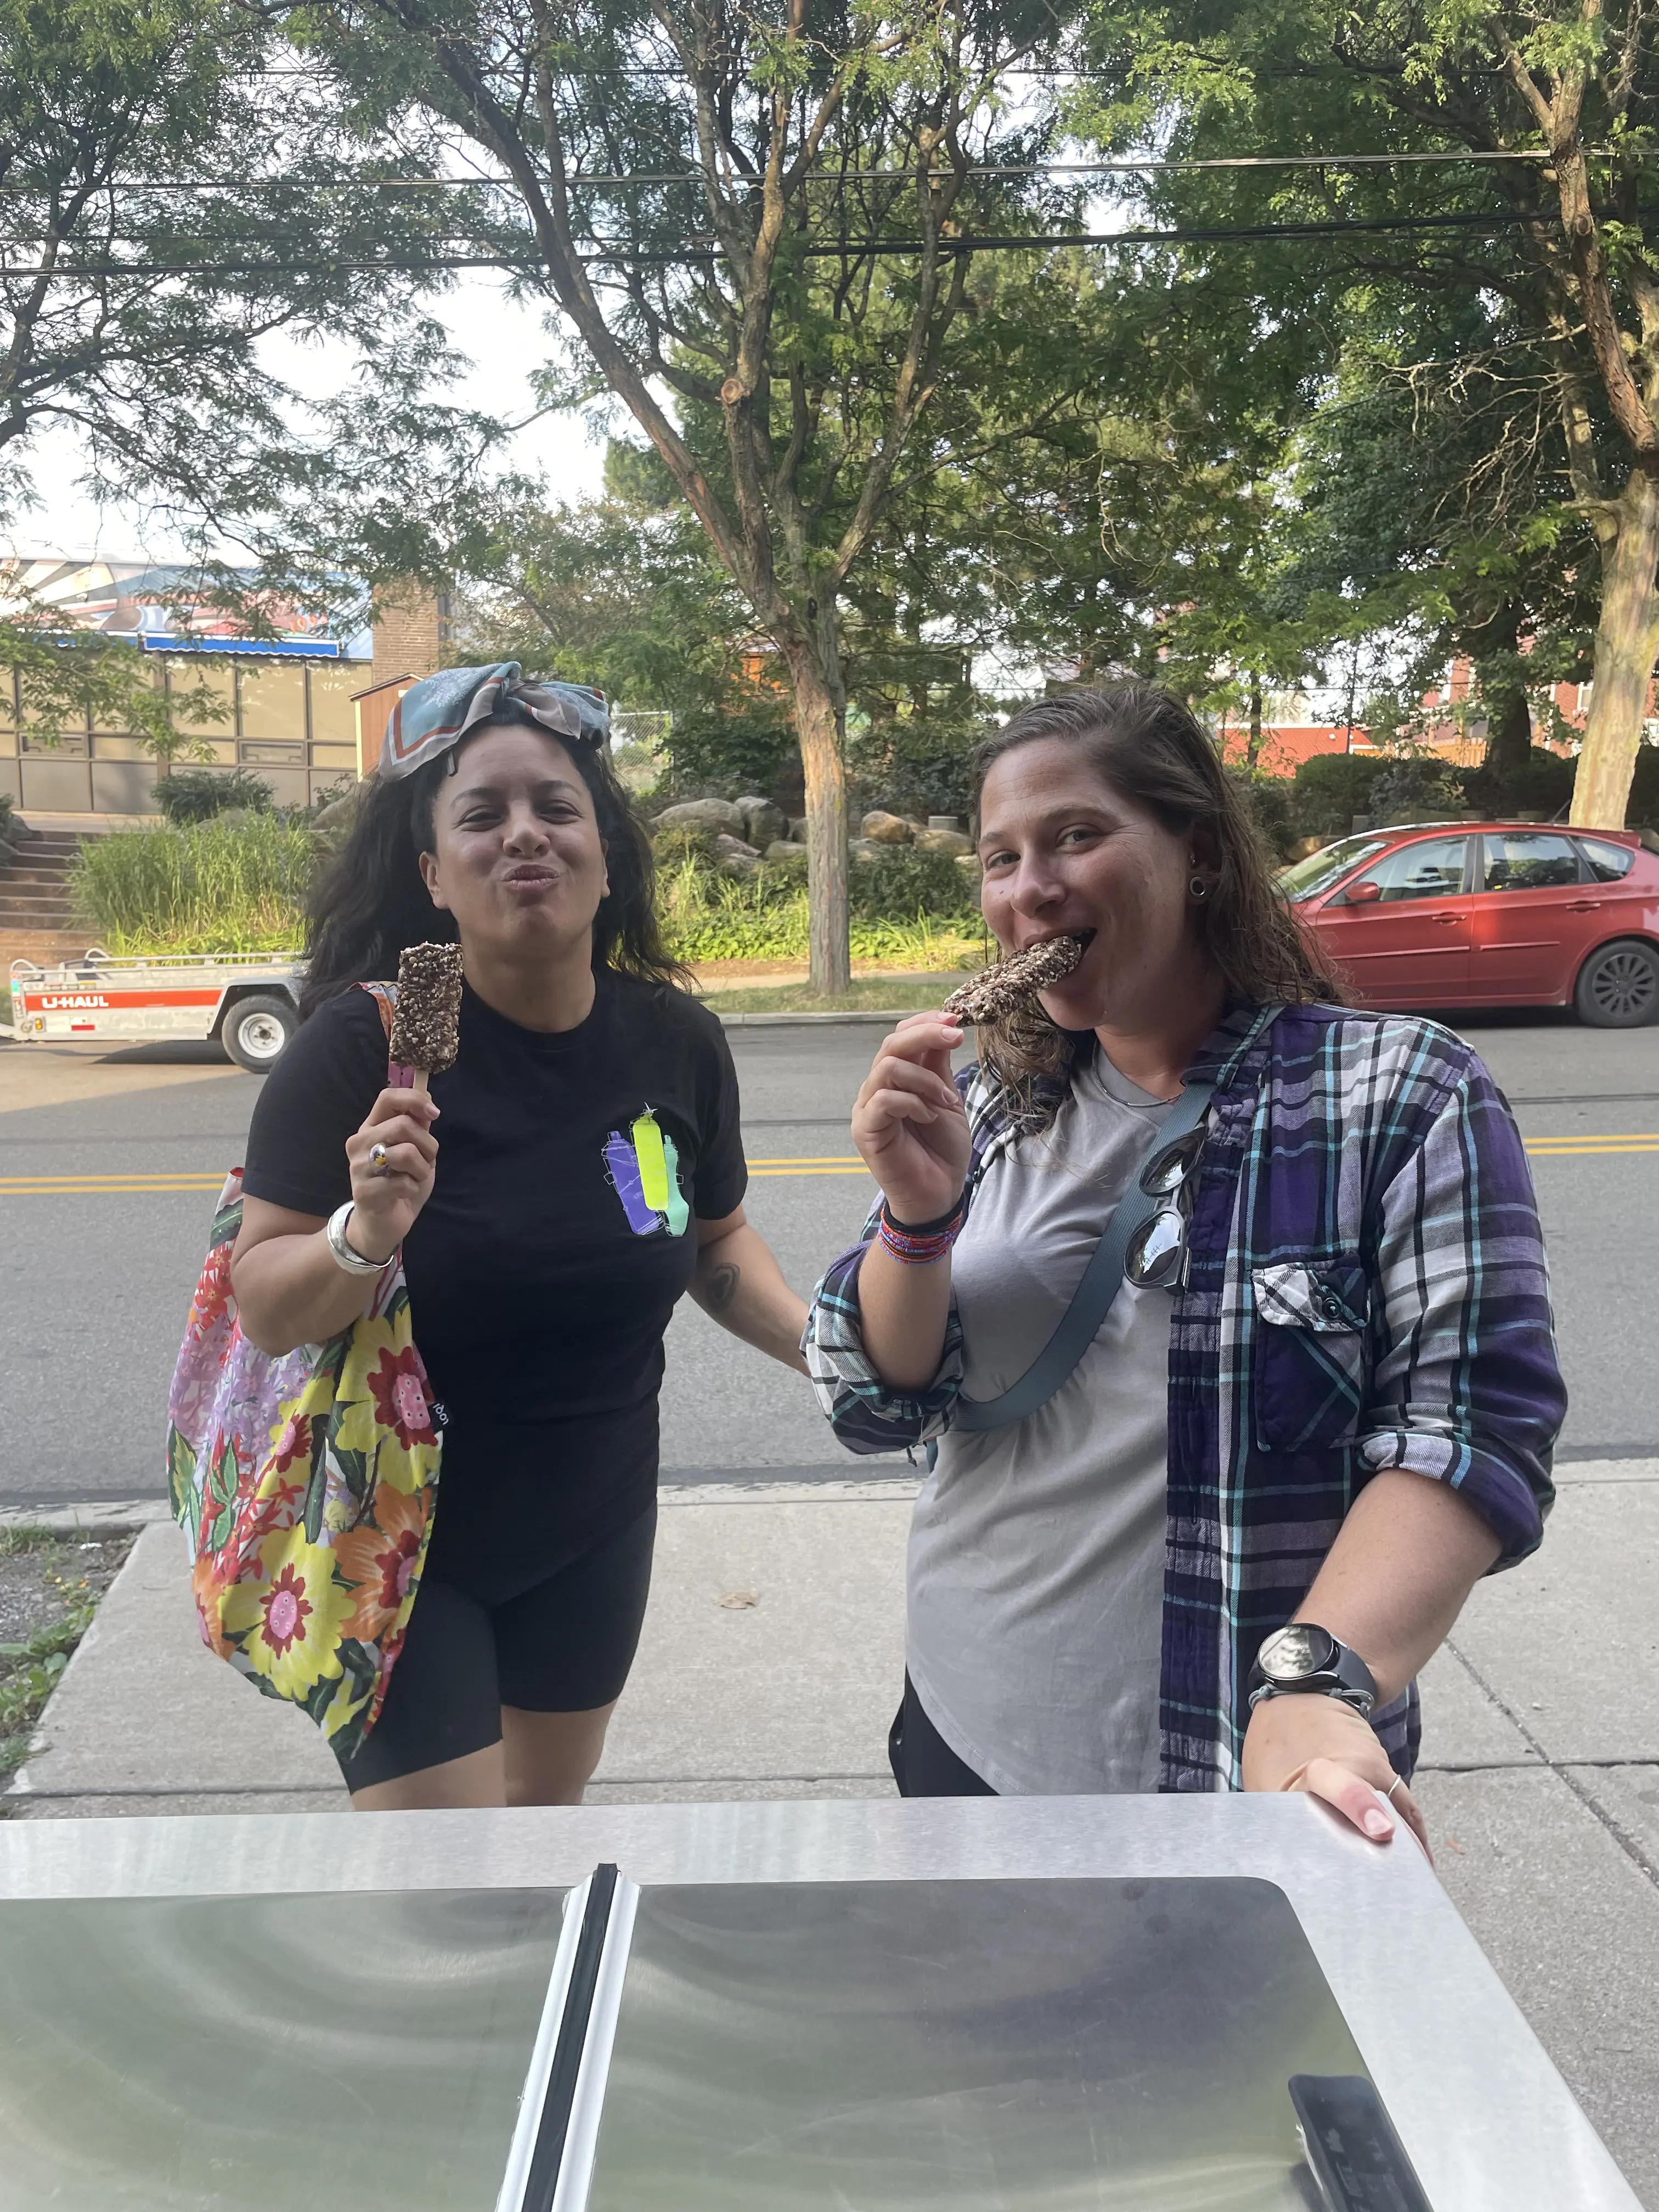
(1368, 1288)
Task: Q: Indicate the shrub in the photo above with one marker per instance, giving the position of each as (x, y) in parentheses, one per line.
(904, 884)
(196, 794)
(205, 887)
(1331, 788)
(1271, 800)
(1642, 811)
(1415, 789)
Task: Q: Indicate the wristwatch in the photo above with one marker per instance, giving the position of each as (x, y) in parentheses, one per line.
(1303, 1658)
(346, 1254)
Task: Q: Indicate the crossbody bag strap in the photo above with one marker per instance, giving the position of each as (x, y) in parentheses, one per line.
(1092, 1299)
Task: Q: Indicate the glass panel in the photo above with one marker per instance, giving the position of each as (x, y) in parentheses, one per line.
(1608, 862)
(273, 698)
(8, 699)
(1520, 861)
(118, 749)
(334, 756)
(198, 688)
(1306, 879)
(334, 2053)
(975, 2045)
(333, 717)
(274, 754)
(121, 728)
(1432, 868)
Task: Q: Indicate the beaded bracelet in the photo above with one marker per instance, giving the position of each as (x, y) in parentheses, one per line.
(921, 1246)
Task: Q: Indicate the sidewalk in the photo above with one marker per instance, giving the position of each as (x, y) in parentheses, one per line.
(770, 1665)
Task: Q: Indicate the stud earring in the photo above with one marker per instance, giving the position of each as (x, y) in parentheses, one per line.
(1198, 887)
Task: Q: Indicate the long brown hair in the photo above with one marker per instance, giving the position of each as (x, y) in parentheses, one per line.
(1150, 748)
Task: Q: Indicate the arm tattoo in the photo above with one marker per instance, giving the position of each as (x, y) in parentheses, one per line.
(722, 1287)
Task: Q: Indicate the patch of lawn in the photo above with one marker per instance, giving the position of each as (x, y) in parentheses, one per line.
(869, 995)
(49, 1586)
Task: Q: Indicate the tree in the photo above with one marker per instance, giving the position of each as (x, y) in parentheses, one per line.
(757, 226)
(1556, 104)
(171, 198)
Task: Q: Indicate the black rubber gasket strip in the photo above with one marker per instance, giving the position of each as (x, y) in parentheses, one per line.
(555, 2125)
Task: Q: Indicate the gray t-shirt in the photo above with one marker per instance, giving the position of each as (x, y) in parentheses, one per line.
(1036, 1570)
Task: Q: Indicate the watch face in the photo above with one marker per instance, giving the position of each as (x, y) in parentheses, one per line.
(1297, 1652)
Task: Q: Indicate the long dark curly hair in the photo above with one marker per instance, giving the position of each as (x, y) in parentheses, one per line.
(370, 900)
(1150, 747)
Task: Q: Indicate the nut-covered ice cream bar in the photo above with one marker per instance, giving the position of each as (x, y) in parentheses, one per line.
(426, 1029)
(1000, 990)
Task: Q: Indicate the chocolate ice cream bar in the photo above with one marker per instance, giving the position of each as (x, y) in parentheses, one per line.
(426, 1029)
(1000, 990)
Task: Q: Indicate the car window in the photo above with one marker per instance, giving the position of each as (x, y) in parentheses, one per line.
(1520, 861)
(1608, 862)
(1306, 879)
(1432, 868)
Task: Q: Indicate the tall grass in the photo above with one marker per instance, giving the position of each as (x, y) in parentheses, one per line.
(212, 887)
(710, 916)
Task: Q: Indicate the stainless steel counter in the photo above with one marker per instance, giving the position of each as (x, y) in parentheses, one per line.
(1487, 2122)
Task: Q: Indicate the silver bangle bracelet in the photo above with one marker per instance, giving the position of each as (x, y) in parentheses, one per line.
(344, 1254)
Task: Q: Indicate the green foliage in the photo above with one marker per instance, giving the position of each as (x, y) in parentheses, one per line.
(209, 887)
(905, 884)
(1416, 789)
(198, 794)
(1272, 803)
(1331, 788)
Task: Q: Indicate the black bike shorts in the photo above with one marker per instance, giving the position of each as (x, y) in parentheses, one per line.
(563, 1646)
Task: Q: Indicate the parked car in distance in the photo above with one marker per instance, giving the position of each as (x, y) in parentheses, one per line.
(1491, 914)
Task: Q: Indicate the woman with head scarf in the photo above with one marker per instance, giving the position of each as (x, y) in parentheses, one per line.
(575, 1171)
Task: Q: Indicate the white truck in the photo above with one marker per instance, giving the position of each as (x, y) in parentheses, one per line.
(249, 1001)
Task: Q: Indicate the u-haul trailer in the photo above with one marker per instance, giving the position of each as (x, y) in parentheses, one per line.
(248, 1001)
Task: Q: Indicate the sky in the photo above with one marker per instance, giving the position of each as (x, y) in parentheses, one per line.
(499, 338)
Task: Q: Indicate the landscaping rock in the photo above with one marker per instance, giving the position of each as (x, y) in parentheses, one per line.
(944, 841)
(734, 858)
(783, 848)
(763, 822)
(971, 865)
(798, 829)
(713, 814)
(866, 848)
(338, 816)
(887, 829)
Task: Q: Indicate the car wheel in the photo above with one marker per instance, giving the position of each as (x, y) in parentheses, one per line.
(257, 1031)
(1619, 987)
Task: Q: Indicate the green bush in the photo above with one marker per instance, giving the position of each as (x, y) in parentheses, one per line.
(1416, 789)
(1331, 788)
(1271, 800)
(1643, 810)
(208, 887)
(905, 884)
(196, 794)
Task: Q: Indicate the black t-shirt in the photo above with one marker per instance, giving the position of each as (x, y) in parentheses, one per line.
(562, 1229)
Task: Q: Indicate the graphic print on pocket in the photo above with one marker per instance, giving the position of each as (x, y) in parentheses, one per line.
(643, 1169)
(1309, 1353)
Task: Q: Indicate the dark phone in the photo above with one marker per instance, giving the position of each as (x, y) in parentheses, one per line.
(1357, 2158)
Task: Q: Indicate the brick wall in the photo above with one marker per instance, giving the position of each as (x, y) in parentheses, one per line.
(412, 634)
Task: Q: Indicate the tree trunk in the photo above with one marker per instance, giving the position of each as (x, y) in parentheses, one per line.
(817, 722)
(1253, 749)
(1508, 739)
(1627, 640)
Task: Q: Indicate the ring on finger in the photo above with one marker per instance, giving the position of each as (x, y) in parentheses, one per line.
(377, 1160)
(1393, 1786)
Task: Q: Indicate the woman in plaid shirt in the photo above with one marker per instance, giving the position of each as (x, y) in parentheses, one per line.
(1327, 1392)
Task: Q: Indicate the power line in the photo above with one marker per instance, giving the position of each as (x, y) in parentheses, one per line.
(613, 254)
(613, 179)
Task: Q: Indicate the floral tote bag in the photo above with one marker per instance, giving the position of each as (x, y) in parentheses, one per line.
(305, 1485)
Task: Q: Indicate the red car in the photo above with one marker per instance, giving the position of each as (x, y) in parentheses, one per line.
(1491, 915)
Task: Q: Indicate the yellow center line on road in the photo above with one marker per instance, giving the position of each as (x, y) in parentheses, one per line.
(117, 1185)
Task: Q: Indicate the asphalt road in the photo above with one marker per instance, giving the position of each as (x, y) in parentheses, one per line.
(106, 1202)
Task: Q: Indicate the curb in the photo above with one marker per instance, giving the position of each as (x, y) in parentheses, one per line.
(863, 1017)
(117, 1516)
